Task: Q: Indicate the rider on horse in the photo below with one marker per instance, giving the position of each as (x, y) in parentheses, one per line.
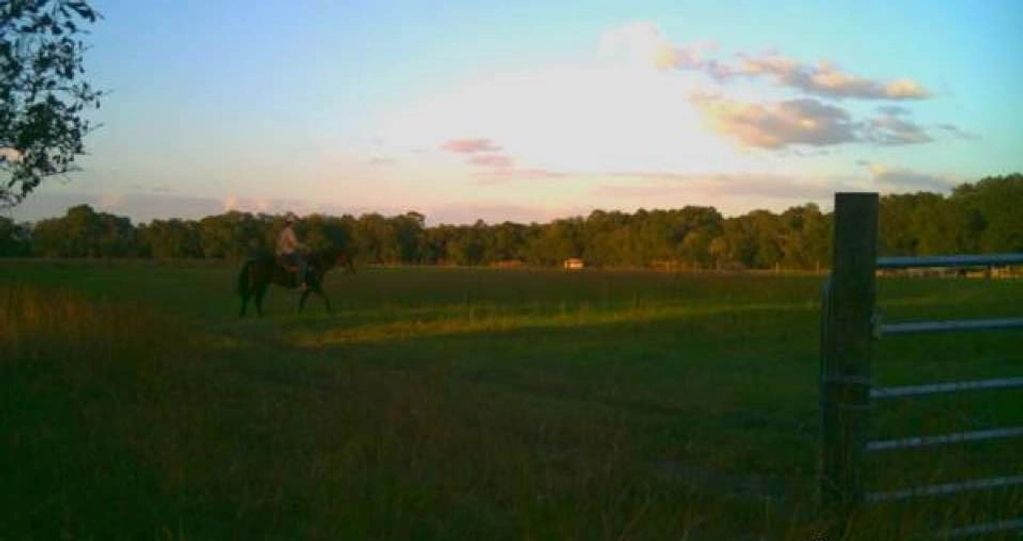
(289, 250)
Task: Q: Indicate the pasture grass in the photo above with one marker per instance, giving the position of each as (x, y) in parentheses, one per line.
(466, 403)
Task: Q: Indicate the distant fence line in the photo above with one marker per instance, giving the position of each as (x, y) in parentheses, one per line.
(849, 325)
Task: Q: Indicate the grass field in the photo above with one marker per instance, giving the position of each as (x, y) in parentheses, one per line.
(465, 404)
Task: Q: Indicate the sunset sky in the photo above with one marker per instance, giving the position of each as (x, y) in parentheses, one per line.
(530, 110)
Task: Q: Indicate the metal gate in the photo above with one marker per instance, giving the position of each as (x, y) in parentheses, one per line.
(849, 325)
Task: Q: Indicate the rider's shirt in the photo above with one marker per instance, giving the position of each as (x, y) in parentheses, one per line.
(287, 242)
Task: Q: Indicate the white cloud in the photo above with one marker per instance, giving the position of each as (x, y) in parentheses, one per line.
(957, 132)
(827, 80)
(807, 121)
(901, 179)
(644, 42)
(566, 118)
(894, 127)
(777, 125)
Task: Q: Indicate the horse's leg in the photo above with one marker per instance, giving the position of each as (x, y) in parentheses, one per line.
(301, 300)
(260, 292)
(245, 302)
(326, 300)
(245, 285)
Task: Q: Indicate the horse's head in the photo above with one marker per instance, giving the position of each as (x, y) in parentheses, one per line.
(345, 262)
(333, 257)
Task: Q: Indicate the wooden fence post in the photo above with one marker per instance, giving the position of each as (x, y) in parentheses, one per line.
(845, 351)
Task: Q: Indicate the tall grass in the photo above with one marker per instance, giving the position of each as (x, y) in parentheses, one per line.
(122, 424)
(73, 371)
(456, 404)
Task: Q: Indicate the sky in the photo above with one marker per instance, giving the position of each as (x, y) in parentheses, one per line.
(532, 110)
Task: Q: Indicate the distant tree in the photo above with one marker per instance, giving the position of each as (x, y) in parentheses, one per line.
(505, 241)
(322, 232)
(434, 249)
(466, 246)
(14, 238)
(558, 240)
(934, 223)
(171, 239)
(408, 235)
(699, 226)
(375, 239)
(977, 217)
(718, 252)
(769, 233)
(83, 232)
(42, 94)
(658, 236)
(916, 224)
(805, 238)
(736, 247)
(233, 235)
(603, 236)
(991, 212)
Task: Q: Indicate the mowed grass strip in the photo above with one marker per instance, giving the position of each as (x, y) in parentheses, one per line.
(444, 404)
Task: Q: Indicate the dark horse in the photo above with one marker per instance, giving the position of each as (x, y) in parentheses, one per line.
(259, 272)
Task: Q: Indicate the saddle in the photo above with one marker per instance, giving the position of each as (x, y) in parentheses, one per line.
(286, 264)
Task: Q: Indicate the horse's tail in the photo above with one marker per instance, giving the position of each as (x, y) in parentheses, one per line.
(244, 277)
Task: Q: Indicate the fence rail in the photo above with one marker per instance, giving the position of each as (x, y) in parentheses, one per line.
(950, 261)
(946, 488)
(984, 529)
(849, 325)
(918, 327)
(941, 439)
(950, 387)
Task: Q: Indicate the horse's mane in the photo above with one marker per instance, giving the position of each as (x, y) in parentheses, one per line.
(328, 258)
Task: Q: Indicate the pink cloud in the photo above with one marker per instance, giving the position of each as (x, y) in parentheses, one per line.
(471, 146)
(493, 213)
(645, 184)
(492, 160)
(508, 174)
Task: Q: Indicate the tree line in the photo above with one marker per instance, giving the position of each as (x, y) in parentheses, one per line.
(978, 217)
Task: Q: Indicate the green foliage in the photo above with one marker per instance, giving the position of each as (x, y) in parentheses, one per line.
(43, 97)
(83, 232)
(990, 209)
(375, 239)
(14, 238)
(981, 217)
(234, 235)
(320, 232)
(171, 239)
